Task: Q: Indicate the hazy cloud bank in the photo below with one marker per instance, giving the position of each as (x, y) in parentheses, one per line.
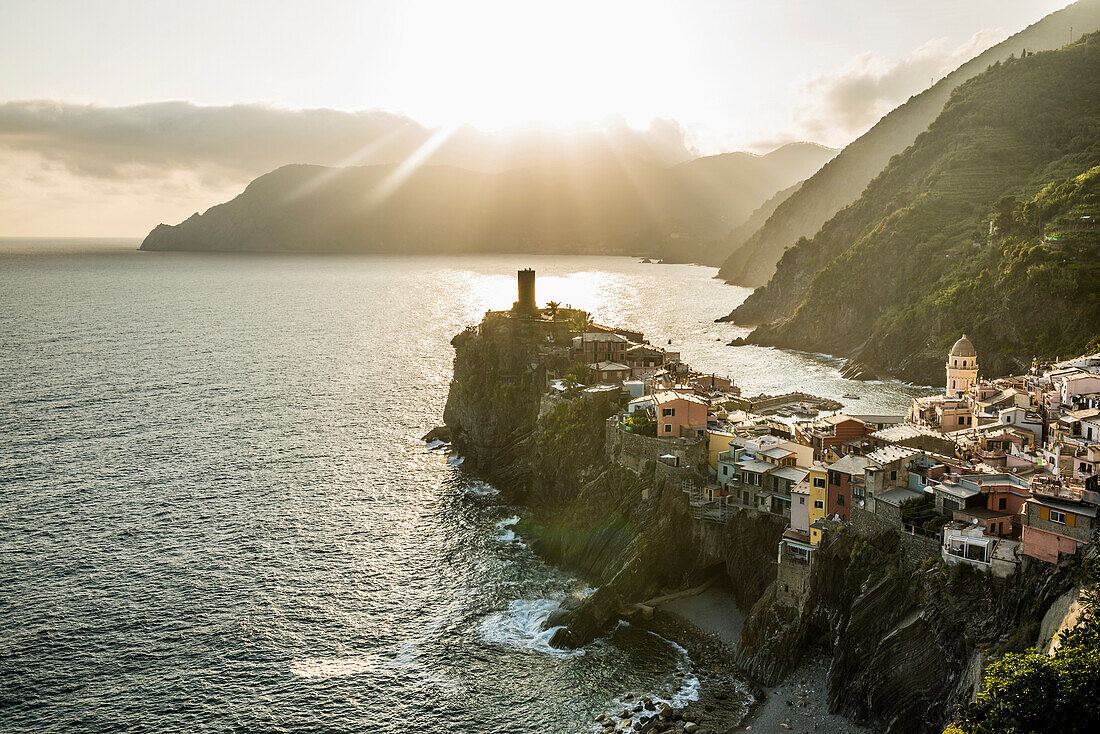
(843, 104)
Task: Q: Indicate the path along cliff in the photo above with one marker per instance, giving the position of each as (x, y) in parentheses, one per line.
(908, 638)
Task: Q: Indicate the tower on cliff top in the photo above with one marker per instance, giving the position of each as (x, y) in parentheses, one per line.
(526, 301)
(962, 368)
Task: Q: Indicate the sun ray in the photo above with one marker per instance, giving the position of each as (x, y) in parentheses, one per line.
(387, 186)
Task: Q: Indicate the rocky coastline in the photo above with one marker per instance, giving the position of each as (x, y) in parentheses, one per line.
(906, 641)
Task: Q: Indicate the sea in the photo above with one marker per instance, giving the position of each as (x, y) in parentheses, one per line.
(218, 512)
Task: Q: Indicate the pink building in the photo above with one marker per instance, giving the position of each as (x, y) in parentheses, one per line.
(680, 414)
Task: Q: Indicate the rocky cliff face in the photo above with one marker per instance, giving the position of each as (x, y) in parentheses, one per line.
(908, 643)
(908, 640)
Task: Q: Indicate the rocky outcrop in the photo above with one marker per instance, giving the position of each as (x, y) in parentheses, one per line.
(908, 644)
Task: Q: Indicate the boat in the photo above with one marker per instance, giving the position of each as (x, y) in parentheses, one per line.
(850, 396)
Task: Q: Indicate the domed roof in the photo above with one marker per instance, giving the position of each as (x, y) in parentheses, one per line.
(963, 348)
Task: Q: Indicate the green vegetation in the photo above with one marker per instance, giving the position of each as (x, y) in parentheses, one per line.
(896, 277)
(920, 512)
(577, 375)
(640, 423)
(1029, 692)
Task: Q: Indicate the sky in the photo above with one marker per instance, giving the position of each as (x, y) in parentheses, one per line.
(117, 115)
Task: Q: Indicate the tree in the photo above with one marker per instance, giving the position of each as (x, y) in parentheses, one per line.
(581, 321)
(552, 309)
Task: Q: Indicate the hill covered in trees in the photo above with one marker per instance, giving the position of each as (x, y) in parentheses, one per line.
(893, 279)
(752, 261)
(602, 204)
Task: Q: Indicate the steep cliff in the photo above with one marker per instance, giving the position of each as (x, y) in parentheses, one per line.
(908, 641)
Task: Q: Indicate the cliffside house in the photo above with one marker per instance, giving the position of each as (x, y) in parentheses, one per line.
(912, 436)
(965, 543)
(680, 414)
(1057, 519)
(644, 358)
(599, 346)
(846, 485)
(608, 372)
(829, 432)
(817, 479)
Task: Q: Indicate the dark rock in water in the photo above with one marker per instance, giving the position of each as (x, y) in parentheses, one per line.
(439, 433)
(857, 371)
(737, 342)
(558, 618)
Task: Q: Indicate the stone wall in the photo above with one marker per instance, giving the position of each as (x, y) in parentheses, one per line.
(887, 512)
(915, 549)
(634, 451)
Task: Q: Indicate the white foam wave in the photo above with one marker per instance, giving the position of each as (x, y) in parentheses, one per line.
(687, 691)
(481, 489)
(456, 460)
(507, 534)
(437, 445)
(521, 627)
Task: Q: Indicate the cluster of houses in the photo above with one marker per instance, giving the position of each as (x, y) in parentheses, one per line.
(991, 469)
(986, 472)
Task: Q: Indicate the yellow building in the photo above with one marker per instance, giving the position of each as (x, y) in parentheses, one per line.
(818, 497)
(718, 441)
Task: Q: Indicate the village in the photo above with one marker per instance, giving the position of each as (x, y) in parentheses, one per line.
(986, 473)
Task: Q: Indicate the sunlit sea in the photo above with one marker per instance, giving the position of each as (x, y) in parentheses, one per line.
(218, 513)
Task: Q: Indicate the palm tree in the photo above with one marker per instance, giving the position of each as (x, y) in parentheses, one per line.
(581, 321)
(552, 309)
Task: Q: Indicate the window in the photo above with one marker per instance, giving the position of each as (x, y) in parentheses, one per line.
(668, 428)
(668, 411)
(1002, 503)
(840, 500)
(725, 470)
(819, 504)
(819, 482)
(962, 420)
(1058, 517)
(801, 500)
(893, 474)
(964, 363)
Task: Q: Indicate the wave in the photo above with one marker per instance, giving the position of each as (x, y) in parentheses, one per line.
(520, 627)
(456, 460)
(507, 534)
(438, 445)
(481, 489)
(686, 692)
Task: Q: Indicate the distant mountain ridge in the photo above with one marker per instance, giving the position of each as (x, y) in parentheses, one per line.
(842, 180)
(601, 204)
(893, 279)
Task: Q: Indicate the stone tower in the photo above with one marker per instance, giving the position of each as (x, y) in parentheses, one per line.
(962, 368)
(526, 283)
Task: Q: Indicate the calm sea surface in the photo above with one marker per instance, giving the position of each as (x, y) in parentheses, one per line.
(217, 512)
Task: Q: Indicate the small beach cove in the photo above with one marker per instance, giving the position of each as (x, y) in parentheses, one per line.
(709, 626)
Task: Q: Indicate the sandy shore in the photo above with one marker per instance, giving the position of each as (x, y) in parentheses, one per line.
(709, 627)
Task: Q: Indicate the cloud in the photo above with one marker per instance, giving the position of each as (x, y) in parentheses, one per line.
(843, 104)
(68, 169)
(107, 142)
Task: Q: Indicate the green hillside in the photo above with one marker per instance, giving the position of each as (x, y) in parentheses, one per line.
(893, 279)
(751, 261)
